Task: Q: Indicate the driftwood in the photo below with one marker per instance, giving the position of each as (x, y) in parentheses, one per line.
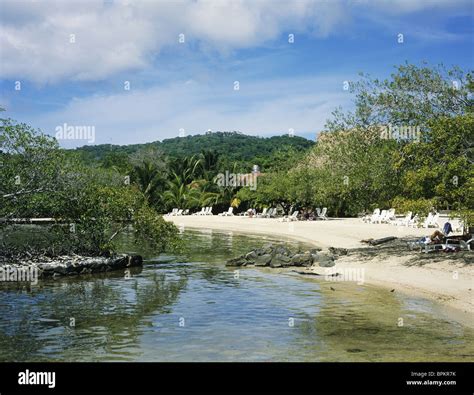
(374, 242)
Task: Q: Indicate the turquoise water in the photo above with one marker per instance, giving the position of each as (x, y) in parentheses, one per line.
(193, 308)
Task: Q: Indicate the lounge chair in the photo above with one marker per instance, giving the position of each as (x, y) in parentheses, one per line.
(209, 211)
(371, 218)
(263, 213)
(462, 244)
(389, 216)
(322, 214)
(179, 212)
(201, 212)
(414, 222)
(173, 212)
(271, 213)
(289, 218)
(229, 212)
(403, 221)
(434, 221)
(186, 212)
(431, 221)
(378, 219)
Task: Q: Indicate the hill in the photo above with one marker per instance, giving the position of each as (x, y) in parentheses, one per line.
(233, 146)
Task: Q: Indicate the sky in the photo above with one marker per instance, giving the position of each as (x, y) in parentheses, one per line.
(141, 71)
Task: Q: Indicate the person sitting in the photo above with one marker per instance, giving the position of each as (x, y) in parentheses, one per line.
(437, 237)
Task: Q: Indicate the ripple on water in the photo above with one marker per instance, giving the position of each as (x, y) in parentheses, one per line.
(199, 311)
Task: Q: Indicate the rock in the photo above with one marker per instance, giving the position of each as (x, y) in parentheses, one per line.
(267, 249)
(280, 260)
(338, 251)
(324, 260)
(281, 250)
(239, 261)
(305, 259)
(263, 260)
(251, 257)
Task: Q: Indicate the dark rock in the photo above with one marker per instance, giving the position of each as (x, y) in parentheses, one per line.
(239, 261)
(267, 249)
(59, 269)
(251, 256)
(263, 260)
(338, 251)
(281, 250)
(305, 259)
(280, 260)
(324, 260)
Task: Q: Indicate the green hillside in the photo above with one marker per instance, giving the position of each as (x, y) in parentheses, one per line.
(231, 147)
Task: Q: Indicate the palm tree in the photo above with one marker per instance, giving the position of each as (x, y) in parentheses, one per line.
(149, 178)
(180, 194)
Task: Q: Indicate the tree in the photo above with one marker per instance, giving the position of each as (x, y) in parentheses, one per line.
(91, 205)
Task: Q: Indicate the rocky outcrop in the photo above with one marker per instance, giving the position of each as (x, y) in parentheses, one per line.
(281, 256)
(73, 265)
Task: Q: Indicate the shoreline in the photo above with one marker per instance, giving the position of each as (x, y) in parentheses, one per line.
(448, 284)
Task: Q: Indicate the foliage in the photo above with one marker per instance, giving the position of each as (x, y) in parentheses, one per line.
(91, 205)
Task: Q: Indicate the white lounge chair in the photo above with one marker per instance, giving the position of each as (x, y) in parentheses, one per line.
(229, 212)
(463, 245)
(263, 214)
(289, 218)
(403, 221)
(179, 212)
(428, 220)
(186, 212)
(322, 214)
(271, 213)
(209, 211)
(414, 221)
(434, 221)
(389, 216)
(201, 212)
(173, 212)
(378, 219)
(372, 218)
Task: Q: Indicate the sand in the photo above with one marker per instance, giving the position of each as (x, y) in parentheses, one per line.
(448, 282)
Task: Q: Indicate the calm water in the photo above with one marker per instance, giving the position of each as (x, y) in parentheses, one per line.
(193, 308)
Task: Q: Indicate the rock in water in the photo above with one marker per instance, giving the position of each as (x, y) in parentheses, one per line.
(324, 260)
(280, 260)
(239, 261)
(263, 260)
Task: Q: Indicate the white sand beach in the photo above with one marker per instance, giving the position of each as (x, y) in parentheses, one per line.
(450, 283)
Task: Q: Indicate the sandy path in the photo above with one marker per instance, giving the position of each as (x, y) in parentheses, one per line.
(445, 282)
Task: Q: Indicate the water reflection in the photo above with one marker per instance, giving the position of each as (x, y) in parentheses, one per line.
(193, 308)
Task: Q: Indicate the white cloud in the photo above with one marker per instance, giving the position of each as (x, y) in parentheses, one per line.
(126, 35)
(160, 112)
(117, 36)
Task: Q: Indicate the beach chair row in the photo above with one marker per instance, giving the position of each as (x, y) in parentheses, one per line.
(266, 213)
(409, 220)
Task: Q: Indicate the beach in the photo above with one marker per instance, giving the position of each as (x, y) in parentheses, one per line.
(449, 281)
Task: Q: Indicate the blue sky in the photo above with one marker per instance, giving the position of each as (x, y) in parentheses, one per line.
(190, 85)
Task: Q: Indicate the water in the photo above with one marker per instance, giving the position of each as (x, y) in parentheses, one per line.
(193, 308)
